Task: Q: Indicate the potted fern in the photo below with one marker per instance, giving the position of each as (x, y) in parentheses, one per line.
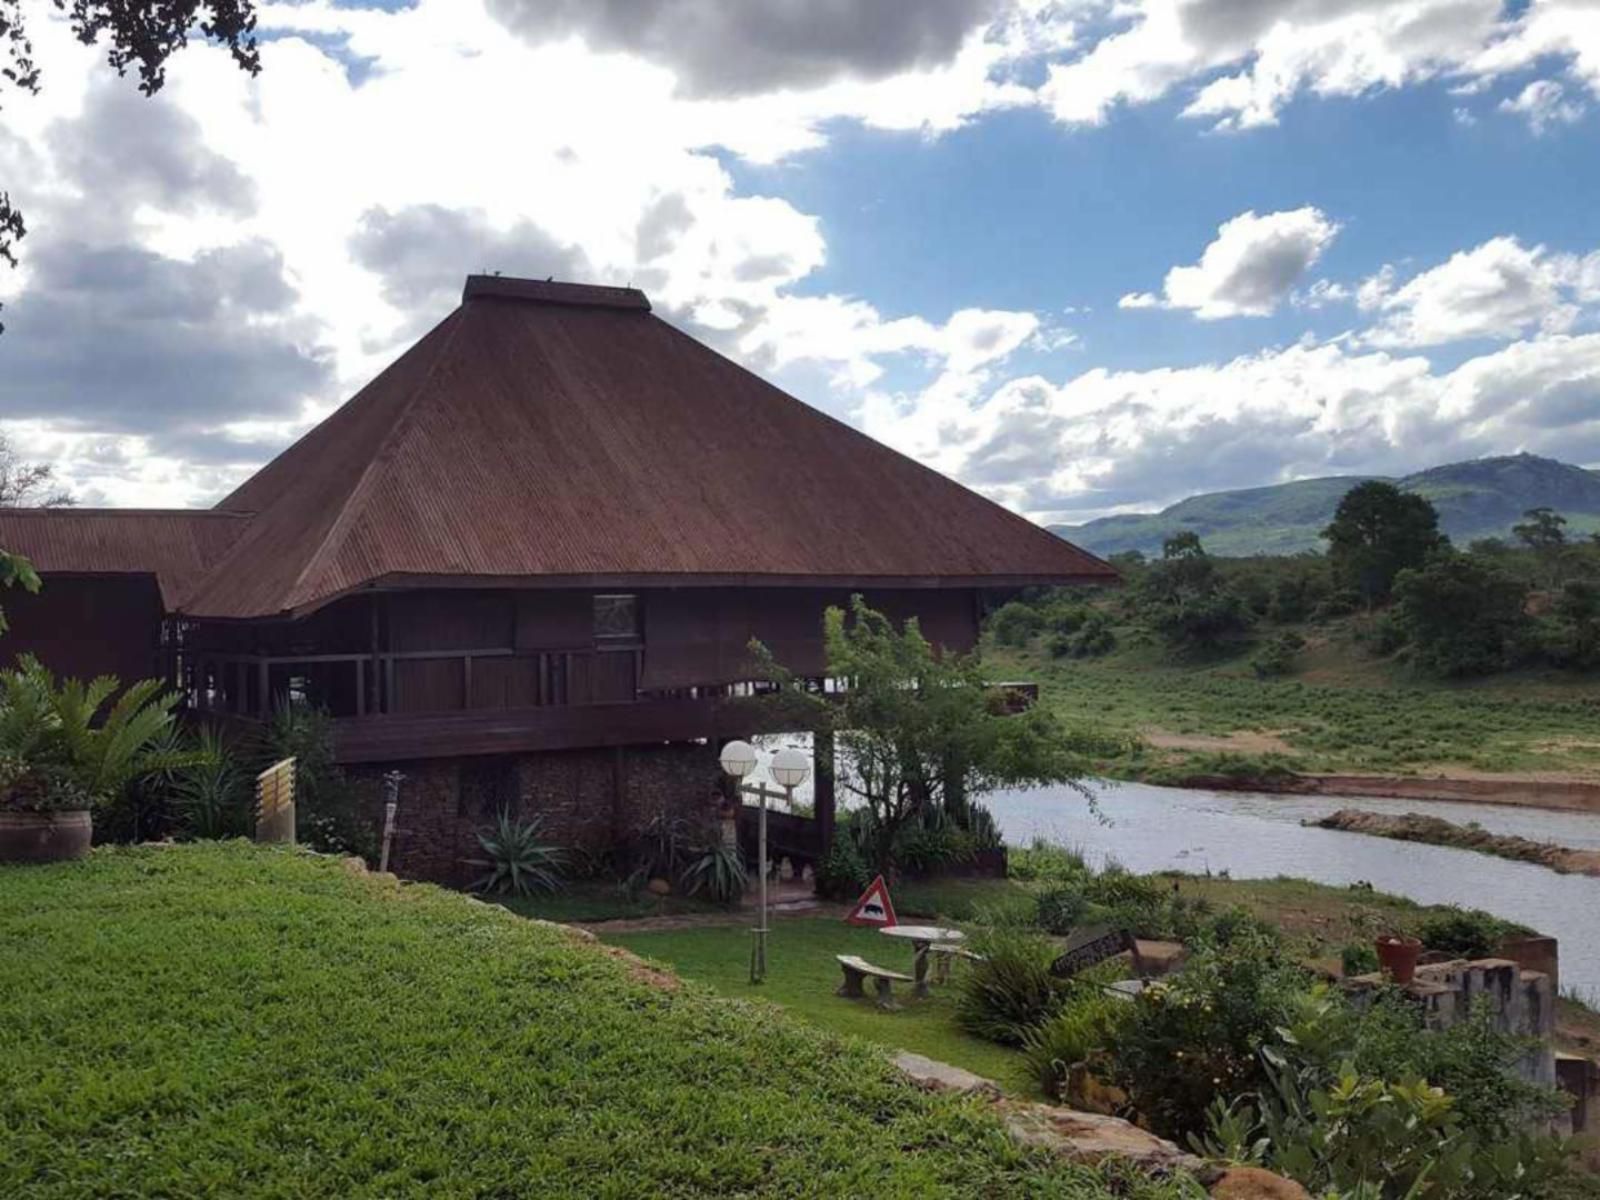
(62, 750)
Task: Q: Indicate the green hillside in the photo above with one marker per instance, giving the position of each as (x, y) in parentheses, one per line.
(1480, 498)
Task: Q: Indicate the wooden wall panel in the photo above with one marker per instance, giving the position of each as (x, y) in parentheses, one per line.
(450, 619)
(81, 627)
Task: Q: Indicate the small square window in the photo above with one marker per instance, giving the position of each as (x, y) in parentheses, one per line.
(616, 616)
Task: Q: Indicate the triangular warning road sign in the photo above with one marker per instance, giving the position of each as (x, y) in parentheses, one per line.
(874, 907)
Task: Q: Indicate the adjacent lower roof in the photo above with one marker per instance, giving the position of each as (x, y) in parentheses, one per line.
(177, 546)
(561, 433)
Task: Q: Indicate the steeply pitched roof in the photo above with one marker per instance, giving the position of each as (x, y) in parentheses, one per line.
(563, 433)
(176, 546)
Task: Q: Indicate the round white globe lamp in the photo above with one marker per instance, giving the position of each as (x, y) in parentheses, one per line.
(738, 759)
(790, 768)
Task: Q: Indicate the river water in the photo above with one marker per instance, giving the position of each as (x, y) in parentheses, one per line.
(1254, 836)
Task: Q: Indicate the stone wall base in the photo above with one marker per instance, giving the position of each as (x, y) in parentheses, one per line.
(590, 802)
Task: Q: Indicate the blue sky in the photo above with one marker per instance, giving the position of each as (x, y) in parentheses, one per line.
(1085, 263)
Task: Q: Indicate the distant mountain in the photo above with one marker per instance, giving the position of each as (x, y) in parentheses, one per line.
(1480, 498)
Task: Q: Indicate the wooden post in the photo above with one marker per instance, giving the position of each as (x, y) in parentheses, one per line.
(361, 687)
(275, 803)
(466, 681)
(265, 692)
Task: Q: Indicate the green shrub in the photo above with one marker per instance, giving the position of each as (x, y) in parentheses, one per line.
(1015, 623)
(1088, 1021)
(73, 746)
(1368, 1097)
(1060, 909)
(519, 863)
(1009, 990)
(1277, 655)
(1358, 958)
(1463, 615)
(213, 797)
(842, 874)
(1042, 860)
(1196, 1037)
(1465, 933)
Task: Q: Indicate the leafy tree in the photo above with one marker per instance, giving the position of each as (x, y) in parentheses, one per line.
(140, 33)
(1572, 637)
(1464, 615)
(918, 730)
(1542, 530)
(1186, 599)
(16, 571)
(1377, 532)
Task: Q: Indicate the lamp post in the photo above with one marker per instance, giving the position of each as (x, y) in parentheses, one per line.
(790, 768)
(738, 759)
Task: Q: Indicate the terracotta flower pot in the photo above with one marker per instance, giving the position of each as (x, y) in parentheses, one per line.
(44, 837)
(1398, 957)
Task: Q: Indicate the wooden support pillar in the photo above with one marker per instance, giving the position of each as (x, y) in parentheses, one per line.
(822, 786)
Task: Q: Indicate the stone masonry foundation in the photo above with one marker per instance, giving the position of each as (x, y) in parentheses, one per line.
(590, 801)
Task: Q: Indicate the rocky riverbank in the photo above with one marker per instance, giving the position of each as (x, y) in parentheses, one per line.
(1562, 795)
(1416, 827)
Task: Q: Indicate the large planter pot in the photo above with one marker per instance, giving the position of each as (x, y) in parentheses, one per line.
(44, 837)
(1398, 957)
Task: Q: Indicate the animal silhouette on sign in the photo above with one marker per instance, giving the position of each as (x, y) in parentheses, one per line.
(874, 907)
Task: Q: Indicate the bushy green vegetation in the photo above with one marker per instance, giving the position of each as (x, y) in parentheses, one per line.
(1339, 693)
(228, 1020)
(921, 733)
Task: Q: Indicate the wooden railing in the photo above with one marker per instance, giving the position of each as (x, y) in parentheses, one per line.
(361, 685)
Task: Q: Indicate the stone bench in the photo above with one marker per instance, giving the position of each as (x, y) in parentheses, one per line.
(857, 970)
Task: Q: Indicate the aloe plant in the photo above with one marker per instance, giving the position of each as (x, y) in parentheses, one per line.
(717, 871)
(519, 862)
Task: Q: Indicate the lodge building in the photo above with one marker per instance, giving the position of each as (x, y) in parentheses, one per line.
(523, 566)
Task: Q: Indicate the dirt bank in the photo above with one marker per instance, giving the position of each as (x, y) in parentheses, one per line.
(1415, 827)
(1571, 795)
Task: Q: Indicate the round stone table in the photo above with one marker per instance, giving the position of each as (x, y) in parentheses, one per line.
(921, 937)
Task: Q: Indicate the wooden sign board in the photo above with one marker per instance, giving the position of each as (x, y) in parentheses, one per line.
(1088, 947)
(275, 803)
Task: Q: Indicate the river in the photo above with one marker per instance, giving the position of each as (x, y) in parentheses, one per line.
(1250, 835)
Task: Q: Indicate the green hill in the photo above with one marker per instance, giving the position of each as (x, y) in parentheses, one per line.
(1480, 498)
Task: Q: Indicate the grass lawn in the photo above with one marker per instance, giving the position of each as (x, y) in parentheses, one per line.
(600, 900)
(802, 974)
(230, 1021)
(1343, 711)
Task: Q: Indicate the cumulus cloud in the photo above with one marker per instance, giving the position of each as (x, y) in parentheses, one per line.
(1104, 440)
(724, 49)
(1240, 62)
(1500, 289)
(1252, 265)
(1544, 104)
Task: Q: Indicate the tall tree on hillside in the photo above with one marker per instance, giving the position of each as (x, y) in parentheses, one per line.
(28, 485)
(1377, 532)
(141, 34)
(1543, 530)
(1186, 599)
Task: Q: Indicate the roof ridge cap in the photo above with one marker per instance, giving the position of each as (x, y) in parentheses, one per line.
(398, 432)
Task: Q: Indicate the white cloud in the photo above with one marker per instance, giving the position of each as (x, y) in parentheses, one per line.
(382, 155)
(1103, 440)
(1252, 265)
(1240, 62)
(1543, 104)
(1500, 289)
